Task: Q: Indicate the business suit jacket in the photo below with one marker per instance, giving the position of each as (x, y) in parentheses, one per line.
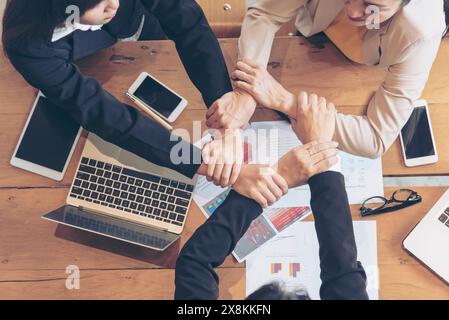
(406, 46)
(50, 67)
(343, 277)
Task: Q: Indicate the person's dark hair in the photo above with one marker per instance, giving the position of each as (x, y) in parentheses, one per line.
(274, 291)
(25, 20)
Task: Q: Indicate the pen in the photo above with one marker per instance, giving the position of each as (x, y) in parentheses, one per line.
(149, 112)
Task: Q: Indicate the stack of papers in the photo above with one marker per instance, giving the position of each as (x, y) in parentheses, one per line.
(292, 259)
(268, 141)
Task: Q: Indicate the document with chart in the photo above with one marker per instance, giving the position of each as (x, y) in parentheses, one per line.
(266, 227)
(363, 177)
(266, 142)
(292, 259)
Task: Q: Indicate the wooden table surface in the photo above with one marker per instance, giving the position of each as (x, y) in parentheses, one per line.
(35, 253)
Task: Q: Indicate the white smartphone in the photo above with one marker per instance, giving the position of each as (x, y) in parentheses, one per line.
(158, 97)
(417, 140)
(47, 142)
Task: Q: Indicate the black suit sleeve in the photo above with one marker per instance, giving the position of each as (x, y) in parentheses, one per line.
(184, 22)
(99, 112)
(343, 277)
(210, 245)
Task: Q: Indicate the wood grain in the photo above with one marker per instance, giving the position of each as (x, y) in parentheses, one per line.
(349, 85)
(224, 16)
(34, 253)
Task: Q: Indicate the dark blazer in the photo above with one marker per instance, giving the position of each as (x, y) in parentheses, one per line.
(343, 277)
(50, 67)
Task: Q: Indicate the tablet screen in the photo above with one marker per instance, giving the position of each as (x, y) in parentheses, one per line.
(49, 136)
(157, 97)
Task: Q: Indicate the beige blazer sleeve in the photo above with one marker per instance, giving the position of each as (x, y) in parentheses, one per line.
(261, 23)
(390, 108)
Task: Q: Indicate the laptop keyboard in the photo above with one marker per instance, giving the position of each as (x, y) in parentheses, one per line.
(444, 218)
(132, 191)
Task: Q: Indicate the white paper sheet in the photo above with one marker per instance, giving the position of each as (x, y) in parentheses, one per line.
(363, 177)
(269, 141)
(292, 258)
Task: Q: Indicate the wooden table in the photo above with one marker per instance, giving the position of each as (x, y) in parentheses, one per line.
(34, 253)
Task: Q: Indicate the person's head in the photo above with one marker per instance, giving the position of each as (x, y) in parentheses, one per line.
(275, 291)
(25, 20)
(358, 13)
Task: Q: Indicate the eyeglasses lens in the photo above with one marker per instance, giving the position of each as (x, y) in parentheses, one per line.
(374, 203)
(403, 195)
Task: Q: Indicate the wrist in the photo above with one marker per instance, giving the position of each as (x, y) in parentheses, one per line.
(287, 104)
(246, 97)
(283, 171)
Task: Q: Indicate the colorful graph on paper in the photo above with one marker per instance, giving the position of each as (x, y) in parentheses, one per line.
(276, 267)
(266, 227)
(283, 217)
(212, 205)
(294, 269)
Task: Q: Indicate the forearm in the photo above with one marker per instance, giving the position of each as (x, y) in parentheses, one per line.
(93, 108)
(195, 277)
(342, 275)
(263, 19)
(184, 23)
(392, 104)
(257, 36)
(359, 135)
(371, 135)
(356, 135)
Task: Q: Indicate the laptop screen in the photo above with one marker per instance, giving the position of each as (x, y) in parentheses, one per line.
(112, 227)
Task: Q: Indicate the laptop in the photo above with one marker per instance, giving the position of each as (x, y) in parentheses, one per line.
(428, 240)
(120, 195)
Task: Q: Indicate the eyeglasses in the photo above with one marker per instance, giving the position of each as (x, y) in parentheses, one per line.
(400, 199)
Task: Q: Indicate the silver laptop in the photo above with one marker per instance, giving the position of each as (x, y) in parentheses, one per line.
(120, 195)
(429, 240)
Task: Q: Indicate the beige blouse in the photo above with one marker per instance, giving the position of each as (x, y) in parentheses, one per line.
(406, 46)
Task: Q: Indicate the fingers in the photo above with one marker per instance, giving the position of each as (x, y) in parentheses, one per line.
(322, 102)
(275, 190)
(235, 173)
(205, 154)
(280, 182)
(268, 195)
(243, 76)
(252, 63)
(313, 99)
(215, 106)
(318, 146)
(323, 155)
(246, 68)
(243, 86)
(212, 115)
(303, 99)
(210, 170)
(225, 175)
(217, 173)
(260, 199)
